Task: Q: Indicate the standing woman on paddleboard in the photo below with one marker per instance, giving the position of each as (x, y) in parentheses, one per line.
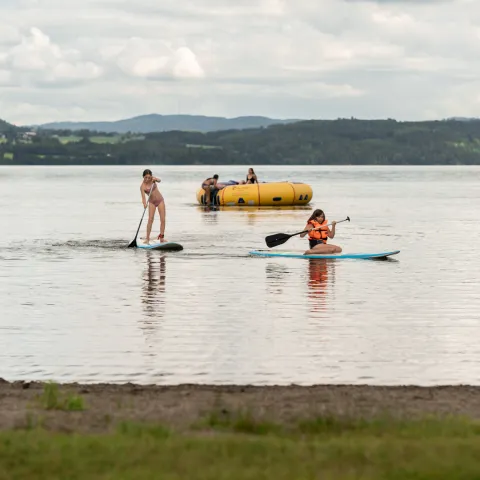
(156, 201)
(319, 233)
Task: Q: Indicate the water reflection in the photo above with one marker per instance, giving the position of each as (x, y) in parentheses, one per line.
(268, 210)
(209, 214)
(153, 301)
(154, 280)
(321, 276)
(208, 208)
(252, 218)
(276, 274)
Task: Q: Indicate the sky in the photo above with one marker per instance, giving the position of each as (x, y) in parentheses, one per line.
(111, 59)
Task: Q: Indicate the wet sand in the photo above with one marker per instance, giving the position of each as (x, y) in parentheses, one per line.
(105, 405)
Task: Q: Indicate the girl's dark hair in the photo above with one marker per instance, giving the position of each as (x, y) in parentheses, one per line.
(147, 172)
(253, 171)
(215, 177)
(316, 214)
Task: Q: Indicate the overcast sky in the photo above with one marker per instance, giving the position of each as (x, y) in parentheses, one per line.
(112, 59)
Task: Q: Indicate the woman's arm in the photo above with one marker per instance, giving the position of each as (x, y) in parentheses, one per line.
(142, 191)
(155, 179)
(308, 227)
(331, 233)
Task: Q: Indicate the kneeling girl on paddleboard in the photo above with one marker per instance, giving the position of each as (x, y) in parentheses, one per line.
(319, 233)
(155, 201)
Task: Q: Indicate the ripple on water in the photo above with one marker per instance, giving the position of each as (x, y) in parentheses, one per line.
(78, 305)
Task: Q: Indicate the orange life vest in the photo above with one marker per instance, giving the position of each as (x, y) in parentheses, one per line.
(318, 234)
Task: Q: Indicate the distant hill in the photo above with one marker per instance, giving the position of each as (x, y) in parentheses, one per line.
(464, 119)
(163, 123)
(315, 142)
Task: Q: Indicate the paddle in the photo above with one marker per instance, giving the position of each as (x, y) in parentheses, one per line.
(279, 238)
(133, 243)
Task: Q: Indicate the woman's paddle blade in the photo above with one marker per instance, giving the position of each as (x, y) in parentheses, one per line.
(133, 243)
(277, 239)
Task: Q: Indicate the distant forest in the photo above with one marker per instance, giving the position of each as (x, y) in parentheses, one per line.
(316, 142)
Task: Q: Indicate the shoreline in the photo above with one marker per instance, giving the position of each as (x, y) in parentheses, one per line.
(100, 407)
(130, 431)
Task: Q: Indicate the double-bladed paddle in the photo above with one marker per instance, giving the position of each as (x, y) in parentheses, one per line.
(133, 243)
(279, 238)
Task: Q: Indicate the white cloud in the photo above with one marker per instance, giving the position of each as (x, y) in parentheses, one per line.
(108, 59)
(37, 60)
(8, 35)
(5, 77)
(145, 59)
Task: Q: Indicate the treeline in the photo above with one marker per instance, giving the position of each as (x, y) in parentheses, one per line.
(319, 142)
(4, 126)
(7, 131)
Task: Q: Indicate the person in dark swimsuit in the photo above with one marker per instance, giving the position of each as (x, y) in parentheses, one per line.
(251, 176)
(209, 185)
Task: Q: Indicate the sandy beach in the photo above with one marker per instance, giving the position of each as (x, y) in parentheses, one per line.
(103, 406)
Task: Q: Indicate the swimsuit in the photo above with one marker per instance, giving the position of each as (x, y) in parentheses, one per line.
(314, 242)
(150, 200)
(207, 185)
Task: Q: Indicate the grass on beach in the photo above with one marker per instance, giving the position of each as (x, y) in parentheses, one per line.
(319, 449)
(239, 445)
(53, 399)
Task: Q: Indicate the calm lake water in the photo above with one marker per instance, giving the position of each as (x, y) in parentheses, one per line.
(77, 305)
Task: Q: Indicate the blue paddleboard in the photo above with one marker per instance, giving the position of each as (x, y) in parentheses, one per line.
(157, 245)
(270, 253)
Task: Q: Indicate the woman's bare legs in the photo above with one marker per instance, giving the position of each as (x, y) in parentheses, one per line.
(151, 215)
(207, 191)
(324, 249)
(161, 211)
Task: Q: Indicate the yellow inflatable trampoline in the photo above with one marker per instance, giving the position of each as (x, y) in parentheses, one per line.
(259, 194)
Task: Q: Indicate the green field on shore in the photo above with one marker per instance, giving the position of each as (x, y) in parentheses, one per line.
(100, 139)
(241, 448)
